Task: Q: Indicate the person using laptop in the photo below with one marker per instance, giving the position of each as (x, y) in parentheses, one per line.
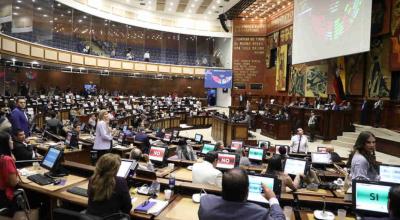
(141, 136)
(108, 193)
(393, 205)
(334, 156)
(299, 142)
(275, 167)
(54, 125)
(205, 172)
(8, 174)
(185, 151)
(233, 203)
(219, 146)
(362, 158)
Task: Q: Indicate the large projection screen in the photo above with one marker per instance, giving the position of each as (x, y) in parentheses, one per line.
(330, 28)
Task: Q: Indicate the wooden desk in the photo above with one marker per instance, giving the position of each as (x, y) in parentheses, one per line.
(226, 131)
(308, 215)
(183, 174)
(198, 121)
(319, 192)
(276, 129)
(181, 208)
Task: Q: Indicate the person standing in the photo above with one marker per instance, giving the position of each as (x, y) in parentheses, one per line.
(299, 142)
(378, 108)
(146, 56)
(312, 124)
(19, 119)
(364, 111)
(103, 140)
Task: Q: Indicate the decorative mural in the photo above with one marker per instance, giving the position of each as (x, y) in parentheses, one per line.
(395, 23)
(378, 72)
(297, 80)
(281, 67)
(380, 19)
(354, 66)
(316, 81)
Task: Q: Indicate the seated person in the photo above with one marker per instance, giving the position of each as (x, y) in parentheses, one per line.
(184, 151)
(8, 175)
(136, 154)
(107, 193)
(92, 121)
(275, 167)
(233, 205)
(22, 150)
(393, 205)
(205, 172)
(53, 125)
(244, 160)
(76, 131)
(334, 156)
(160, 133)
(219, 146)
(129, 132)
(141, 136)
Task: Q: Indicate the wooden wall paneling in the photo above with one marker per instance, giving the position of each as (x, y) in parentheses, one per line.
(8, 45)
(23, 49)
(37, 52)
(50, 54)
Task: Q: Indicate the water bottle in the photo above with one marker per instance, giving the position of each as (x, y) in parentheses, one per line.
(171, 181)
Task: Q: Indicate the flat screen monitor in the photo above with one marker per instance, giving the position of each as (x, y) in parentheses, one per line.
(227, 160)
(167, 137)
(321, 158)
(236, 145)
(56, 97)
(207, 148)
(389, 173)
(264, 144)
(121, 137)
(371, 198)
(256, 154)
(279, 146)
(125, 167)
(198, 138)
(52, 158)
(42, 96)
(295, 166)
(157, 153)
(256, 191)
(321, 149)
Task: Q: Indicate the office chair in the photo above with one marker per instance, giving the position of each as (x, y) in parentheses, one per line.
(66, 214)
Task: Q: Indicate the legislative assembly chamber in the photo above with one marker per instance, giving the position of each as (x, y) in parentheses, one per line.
(199, 109)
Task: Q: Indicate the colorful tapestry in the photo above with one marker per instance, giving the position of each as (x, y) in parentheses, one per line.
(316, 81)
(297, 80)
(378, 75)
(281, 67)
(395, 23)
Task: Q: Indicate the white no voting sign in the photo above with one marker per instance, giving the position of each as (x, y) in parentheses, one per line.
(226, 161)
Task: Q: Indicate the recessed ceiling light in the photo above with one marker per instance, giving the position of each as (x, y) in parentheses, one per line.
(45, 15)
(15, 13)
(17, 7)
(39, 8)
(19, 1)
(213, 7)
(171, 3)
(169, 9)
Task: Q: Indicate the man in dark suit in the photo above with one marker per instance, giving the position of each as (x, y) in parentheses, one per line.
(233, 205)
(393, 205)
(19, 119)
(141, 136)
(22, 150)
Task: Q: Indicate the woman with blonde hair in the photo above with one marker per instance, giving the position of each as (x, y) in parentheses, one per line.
(107, 193)
(103, 139)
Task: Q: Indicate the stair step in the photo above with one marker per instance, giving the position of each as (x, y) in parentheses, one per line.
(348, 139)
(342, 144)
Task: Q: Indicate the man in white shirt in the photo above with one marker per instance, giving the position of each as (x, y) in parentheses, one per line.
(146, 56)
(299, 142)
(205, 172)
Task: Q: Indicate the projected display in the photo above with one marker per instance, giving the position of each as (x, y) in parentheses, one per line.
(207, 148)
(263, 144)
(226, 161)
(157, 153)
(294, 167)
(256, 154)
(218, 79)
(235, 145)
(256, 190)
(321, 29)
(371, 197)
(389, 174)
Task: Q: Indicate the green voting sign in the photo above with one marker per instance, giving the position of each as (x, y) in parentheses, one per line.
(372, 197)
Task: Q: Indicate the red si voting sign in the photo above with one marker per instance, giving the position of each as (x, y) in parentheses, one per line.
(156, 153)
(226, 161)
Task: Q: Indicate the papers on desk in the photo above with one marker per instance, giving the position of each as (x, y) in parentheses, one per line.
(26, 172)
(119, 147)
(157, 207)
